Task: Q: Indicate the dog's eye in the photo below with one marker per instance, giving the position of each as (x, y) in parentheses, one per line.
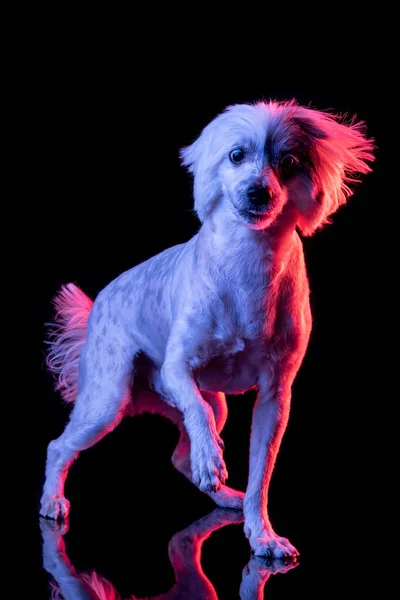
(236, 156)
(288, 165)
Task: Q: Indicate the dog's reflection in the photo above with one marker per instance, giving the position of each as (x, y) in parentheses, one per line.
(184, 551)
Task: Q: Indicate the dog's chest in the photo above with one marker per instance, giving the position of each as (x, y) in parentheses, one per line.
(240, 343)
(233, 370)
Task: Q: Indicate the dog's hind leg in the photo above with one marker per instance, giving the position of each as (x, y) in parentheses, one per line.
(106, 378)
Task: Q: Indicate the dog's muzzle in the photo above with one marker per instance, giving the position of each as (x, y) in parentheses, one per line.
(259, 196)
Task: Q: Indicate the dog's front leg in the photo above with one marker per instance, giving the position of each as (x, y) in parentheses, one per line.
(208, 467)
(270, 416)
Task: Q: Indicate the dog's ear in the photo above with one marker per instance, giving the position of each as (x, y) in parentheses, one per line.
(202, 159)
(340, 152)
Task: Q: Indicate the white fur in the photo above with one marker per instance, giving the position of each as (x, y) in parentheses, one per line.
(223, 313)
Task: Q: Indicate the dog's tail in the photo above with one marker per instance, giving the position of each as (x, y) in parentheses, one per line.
(67, 336)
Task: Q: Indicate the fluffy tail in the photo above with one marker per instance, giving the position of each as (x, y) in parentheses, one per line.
(67, 336)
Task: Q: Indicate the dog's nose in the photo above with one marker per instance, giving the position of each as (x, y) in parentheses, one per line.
(258, 195)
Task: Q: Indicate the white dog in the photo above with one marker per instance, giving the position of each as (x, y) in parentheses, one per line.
(226, 312)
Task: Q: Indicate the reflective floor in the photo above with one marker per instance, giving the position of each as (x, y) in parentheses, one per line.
(151, 546)
(185, 555)
(139, 529)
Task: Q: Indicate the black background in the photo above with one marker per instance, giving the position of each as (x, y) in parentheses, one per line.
(106, 191)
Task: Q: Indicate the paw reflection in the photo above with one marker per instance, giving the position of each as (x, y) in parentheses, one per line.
(184, 551)
(257, 572)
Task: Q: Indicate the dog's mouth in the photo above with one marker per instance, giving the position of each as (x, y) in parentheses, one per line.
(261, 212)
(254, 217)
(255, 212)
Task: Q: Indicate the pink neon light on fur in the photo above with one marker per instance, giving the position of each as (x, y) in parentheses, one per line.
(67, 337)
(340, 155)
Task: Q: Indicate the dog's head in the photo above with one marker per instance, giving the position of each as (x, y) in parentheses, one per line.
(257, 159)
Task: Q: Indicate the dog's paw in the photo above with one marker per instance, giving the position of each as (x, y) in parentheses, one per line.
(208, 468)
(228, 498)
(270, 545)
(54, 508)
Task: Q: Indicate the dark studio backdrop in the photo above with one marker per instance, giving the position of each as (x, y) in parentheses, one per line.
(112, 194)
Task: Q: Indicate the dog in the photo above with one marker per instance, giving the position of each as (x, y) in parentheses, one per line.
(224, 313)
